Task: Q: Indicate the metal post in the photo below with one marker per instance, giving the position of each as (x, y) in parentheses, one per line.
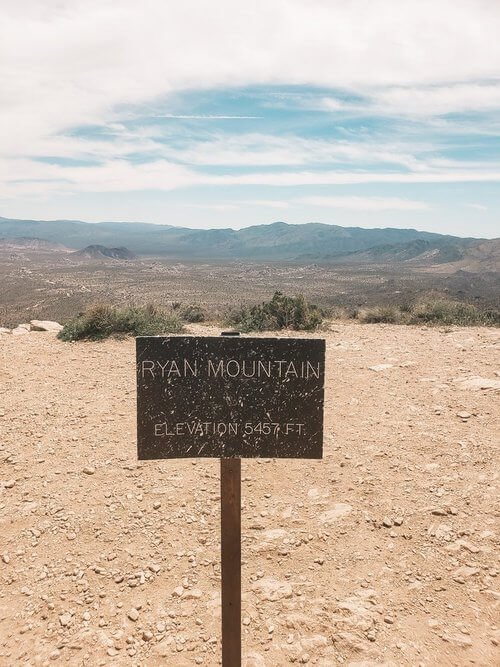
(230, 500)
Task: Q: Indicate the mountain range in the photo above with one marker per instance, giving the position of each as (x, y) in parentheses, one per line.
(278, 241)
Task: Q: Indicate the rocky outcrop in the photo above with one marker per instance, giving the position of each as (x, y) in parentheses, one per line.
(34, 325)
(45, 325)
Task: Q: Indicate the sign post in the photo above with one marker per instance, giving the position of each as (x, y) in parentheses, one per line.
(230, 398)
(230, 505)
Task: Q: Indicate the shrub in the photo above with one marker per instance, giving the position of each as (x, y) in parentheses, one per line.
(431, 312)
(102, 321)
(441, 311)
(193, 314)
(282, 312)
(389, 314)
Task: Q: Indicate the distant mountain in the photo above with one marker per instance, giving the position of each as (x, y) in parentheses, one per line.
(103, 252)
(28, 243)
(276, 241)
(422, 251)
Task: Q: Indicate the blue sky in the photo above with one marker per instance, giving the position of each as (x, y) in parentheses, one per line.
(228, 114)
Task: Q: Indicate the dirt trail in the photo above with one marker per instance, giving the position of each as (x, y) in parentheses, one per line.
(383, 553)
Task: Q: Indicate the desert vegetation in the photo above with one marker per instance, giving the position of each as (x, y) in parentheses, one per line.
(281, 312)
(103, 320)
(431, 312)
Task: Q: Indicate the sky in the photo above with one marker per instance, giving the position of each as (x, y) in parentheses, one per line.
(226, 113)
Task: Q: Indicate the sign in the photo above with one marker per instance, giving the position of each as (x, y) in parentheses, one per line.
(229, 397)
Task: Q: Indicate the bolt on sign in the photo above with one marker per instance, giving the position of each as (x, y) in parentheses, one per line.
(229, 397)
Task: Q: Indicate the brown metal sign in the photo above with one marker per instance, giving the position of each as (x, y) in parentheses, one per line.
(229, 397)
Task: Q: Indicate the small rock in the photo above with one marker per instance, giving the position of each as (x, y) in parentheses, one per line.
(178, 592)
(387, 523)
(65, 619)
(272, 589)
(147, 635)
(133, 614)
(193, 594)
(9, 484)
(45, 325)
(154, 568)
(380, 367)
(89, 470)
(464, 415)
(156, 505)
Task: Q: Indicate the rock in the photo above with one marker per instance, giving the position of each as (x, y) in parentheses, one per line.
(133, 614)
(147, 635)
(336, 512)
(19, 331)
(387, 523)
(253, 660)
(178, 592)
(380, 367)
(153, 567)
(479, 384)
(65, 619)
(466, 571)
(192, 594)
(9, 484)
(89, 470)
(457, 639)
(45, 325)
(272, 589)
(4, 330)
(464, 415)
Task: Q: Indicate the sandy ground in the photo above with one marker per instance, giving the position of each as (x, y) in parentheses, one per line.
(383, 553)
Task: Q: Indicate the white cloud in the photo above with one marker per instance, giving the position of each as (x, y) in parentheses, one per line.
(205, 117)
(348, 178)
(477, 207)
(66, 63)
(365, 203)
(438, 100)
(72, 62)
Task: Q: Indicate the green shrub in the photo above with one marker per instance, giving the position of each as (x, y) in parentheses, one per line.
(432, 312)
(102, 321)
(282, 312)
(440, 311)
(193, 314)
(389, 314)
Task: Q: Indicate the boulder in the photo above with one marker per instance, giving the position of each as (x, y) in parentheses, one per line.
(45, 325)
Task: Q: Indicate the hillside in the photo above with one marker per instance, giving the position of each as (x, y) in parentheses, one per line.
(27, 243)
(468, 254)
(277, 241)
(103, 252)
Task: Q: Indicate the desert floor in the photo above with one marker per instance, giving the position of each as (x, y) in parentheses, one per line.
(383, 553)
